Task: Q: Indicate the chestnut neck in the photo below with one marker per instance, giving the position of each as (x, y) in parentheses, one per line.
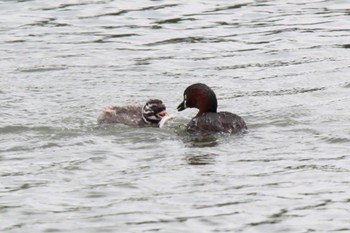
(206, 102)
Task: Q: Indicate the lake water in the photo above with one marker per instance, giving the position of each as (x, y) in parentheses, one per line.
(284, 66)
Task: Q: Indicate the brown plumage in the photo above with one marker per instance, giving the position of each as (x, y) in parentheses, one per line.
(208, 120)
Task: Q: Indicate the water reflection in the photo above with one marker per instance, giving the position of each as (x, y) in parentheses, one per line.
(201, 141)
(202, 159)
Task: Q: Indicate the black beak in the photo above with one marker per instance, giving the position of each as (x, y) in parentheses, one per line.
(161, 108)
(181, 106)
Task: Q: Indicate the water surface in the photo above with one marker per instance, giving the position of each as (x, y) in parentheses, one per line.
(282, 65)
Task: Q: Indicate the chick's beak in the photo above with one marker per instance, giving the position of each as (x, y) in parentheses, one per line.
(162, 114)
(161, 111)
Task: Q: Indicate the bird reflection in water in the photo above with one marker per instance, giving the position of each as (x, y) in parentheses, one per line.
(204, 159)
(202, 141)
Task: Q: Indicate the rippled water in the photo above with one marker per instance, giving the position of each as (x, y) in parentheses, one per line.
(282, 65)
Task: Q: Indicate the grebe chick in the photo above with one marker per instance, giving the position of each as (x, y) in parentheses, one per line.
(148, 115)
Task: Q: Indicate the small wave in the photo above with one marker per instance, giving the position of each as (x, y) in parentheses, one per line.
(345, 46)
(326, 168)
(21, 129)
(66, 5)
(122, 12)
(180, 40)
(204, 159)
(41, 69)
(335, 139)
(347, 85)
(271, 64)
(284, 92)
(174, 20)
(235, 6)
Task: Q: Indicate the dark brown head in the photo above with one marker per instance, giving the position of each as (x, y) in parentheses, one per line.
(153, 111)
(199, 96)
